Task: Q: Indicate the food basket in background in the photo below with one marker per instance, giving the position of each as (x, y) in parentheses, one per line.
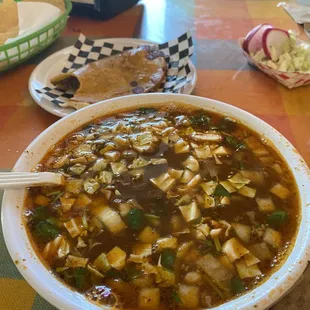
(288, 79)
(15, 53)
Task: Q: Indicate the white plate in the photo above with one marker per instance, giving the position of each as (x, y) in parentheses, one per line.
(53, 65)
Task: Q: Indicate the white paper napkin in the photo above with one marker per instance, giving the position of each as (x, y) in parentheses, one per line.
(33, 16)
(300, 13)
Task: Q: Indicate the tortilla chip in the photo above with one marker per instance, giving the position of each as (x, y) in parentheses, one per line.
(74, 104)
(8, 21)
(139, 70)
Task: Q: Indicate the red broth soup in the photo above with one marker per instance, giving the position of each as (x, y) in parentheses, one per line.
(169, 209)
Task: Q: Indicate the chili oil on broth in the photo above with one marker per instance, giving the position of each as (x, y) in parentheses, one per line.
(172, 208)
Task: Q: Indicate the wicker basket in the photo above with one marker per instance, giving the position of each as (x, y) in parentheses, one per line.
(15, 53)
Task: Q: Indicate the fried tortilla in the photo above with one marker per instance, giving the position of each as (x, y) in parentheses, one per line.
(8, 21)
(139, 70)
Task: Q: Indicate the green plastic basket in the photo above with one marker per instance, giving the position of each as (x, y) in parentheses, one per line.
(15, 53)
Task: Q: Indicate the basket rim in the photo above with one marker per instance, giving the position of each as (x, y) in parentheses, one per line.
(42, 30)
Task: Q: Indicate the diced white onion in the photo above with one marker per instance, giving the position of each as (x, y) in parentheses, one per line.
(245, 271)
(110, 218)
(76, 262)
(191, 163)
(119, 167)
(163, 182)
(234, 249)
(222, 151)
(203, 152)
(75, 226)
(189, 295)
(190, 212)
(117, 258)
(280, 191)
(272, 237)
(176, 174)
(139, 162)
(181, 147)
(265, 205)
(243, 231)
(91, 186)
(217, 161)
(247, 191)
(228, 186)
(225, 200)
(250, 259)
(187, 176)
(209, 187)
(166, 243)
(238, 178)
(158, 161)
(194, 181)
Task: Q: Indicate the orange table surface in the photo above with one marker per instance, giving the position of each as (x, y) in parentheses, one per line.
(223, 74)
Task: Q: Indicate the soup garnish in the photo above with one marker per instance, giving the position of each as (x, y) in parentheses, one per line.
(168, 208)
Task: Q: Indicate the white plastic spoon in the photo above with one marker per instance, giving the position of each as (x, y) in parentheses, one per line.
(28, 179)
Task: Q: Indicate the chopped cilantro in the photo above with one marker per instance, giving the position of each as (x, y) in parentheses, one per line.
(200, 119)
(207, 246)
(56, 197)
(80, 275)
(176, 297)
(221, 191)
(115, 274)
(132, 272)
(237, 286)
(46, 231)
(144, 111)
(168, 259)
(40, 213)
(234, 142)
(277, 218)
(227, 124)
(196, 221)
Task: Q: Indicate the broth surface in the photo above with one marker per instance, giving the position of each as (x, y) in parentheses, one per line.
(165, 209)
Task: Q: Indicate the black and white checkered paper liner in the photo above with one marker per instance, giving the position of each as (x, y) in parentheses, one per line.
(177, 53)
